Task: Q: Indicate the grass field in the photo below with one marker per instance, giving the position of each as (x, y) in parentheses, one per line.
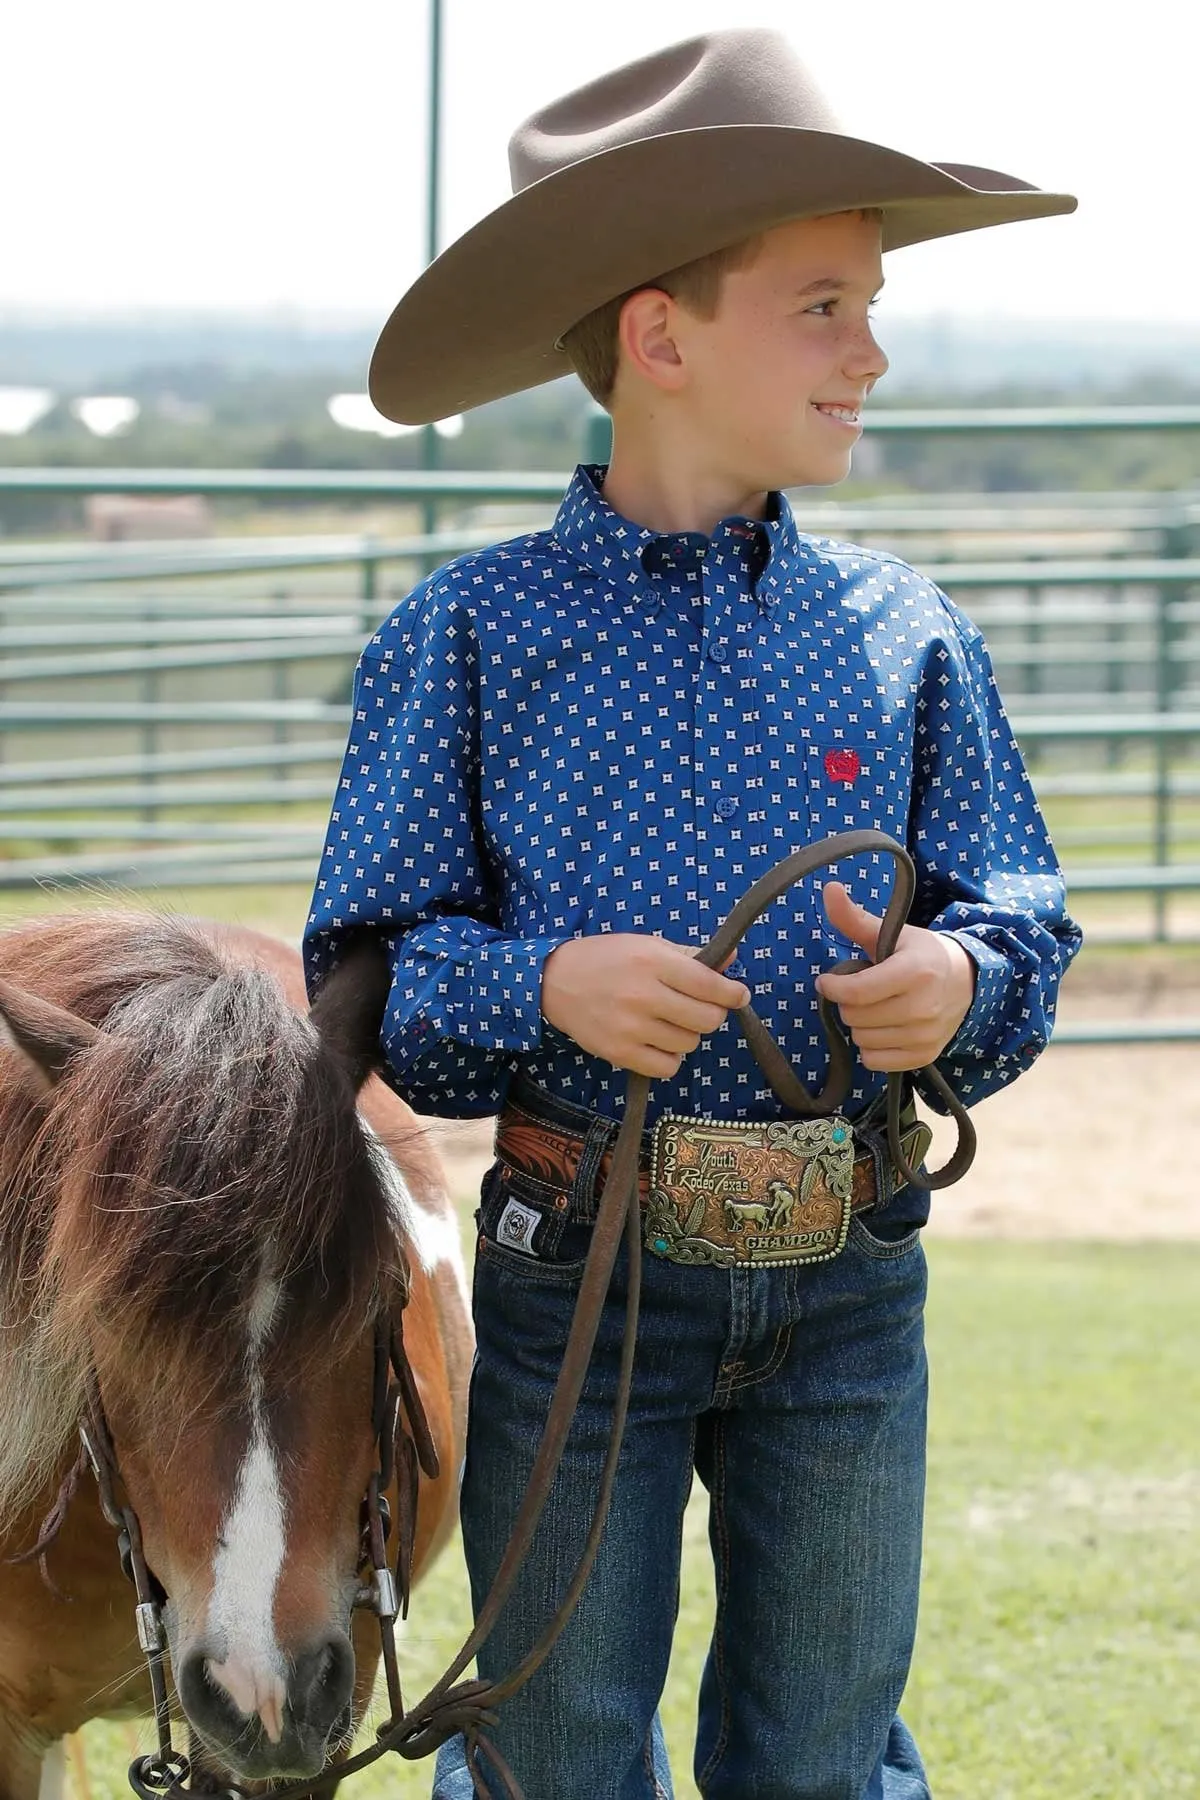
(1059, 1654)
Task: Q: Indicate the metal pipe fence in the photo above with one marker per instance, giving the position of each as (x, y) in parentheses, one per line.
(174, 714)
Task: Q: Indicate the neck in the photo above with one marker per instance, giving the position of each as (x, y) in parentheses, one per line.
(666, 487)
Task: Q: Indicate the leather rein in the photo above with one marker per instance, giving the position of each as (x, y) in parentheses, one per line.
(404, 1441)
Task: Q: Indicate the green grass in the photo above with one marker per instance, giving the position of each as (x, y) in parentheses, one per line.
(1059, 1652)
(280, 909)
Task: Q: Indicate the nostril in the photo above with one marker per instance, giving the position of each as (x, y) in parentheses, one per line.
(235, 1702)
(209, 1701)
(322, 1682)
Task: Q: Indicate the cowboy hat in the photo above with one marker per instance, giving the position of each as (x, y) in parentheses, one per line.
(666, 159)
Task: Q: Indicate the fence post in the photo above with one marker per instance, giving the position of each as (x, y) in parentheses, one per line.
(1117, 631)
(151, 691)
(597, 436)
(280, 686)
(1175, 543)
(368, 591)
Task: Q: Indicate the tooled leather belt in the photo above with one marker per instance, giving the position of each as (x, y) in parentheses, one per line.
(549, 1154)
(719, 1191)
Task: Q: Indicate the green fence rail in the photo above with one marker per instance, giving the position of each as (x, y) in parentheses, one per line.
(173, 714)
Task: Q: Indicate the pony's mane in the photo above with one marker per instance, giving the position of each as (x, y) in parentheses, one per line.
(205, 1142)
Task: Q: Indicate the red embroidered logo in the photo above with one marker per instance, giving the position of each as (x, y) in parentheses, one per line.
(842, 765)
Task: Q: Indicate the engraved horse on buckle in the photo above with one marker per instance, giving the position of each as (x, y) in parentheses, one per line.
(743, 1194)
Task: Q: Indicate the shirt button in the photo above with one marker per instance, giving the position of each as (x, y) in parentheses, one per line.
(726, 806)
(718, 652)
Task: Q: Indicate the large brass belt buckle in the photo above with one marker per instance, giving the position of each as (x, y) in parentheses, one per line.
(746, 1194)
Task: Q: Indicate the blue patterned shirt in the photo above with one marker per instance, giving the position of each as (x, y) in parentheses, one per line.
(597, 728)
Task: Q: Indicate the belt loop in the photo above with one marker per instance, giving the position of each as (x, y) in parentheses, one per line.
(582, 1198)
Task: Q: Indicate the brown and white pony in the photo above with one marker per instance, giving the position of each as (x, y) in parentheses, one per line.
(206, 1205)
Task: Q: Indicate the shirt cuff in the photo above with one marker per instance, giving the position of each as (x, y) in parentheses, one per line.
(487, 996)
(984, 1024)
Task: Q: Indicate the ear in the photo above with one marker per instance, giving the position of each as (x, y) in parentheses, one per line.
(645, 331)
(348, 1011)
(47, 1036)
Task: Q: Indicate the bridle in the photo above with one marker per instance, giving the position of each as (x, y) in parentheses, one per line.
(405, 1445)
(404, 1451)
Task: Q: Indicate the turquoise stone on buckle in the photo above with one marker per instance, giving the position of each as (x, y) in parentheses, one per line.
(741, 1194)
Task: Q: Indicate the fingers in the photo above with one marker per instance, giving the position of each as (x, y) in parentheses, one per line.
(889, 1016)
(683, 1017)
(662, 1052)
(698, 982)
(867, 987)
(681, 1011)
(655, 1063)
(662, 1035)
(893, 1059)
(905, 1043)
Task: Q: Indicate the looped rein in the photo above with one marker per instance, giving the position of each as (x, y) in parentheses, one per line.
(471, 1706)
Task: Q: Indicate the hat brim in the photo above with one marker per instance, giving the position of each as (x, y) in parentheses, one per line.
(481, 322)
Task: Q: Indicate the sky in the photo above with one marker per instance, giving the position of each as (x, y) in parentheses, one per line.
(270, 154)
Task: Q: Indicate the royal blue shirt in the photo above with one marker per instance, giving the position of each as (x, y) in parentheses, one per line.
(596, 728)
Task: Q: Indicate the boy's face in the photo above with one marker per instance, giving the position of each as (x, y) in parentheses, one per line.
(790, 341)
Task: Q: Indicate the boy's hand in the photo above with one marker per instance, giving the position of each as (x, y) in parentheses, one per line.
(640, 1002)
(902, 1013)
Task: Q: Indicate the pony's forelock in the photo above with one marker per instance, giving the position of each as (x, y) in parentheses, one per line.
(205, 1138)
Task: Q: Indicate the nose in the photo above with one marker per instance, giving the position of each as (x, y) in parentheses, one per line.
(322, 1683)
(265, 1721)
(867, 360)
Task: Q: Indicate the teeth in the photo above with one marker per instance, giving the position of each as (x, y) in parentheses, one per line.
(840, 412)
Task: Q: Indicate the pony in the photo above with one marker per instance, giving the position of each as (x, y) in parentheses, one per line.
(209, 1201)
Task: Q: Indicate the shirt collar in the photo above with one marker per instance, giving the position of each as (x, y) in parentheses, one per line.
(611, 546)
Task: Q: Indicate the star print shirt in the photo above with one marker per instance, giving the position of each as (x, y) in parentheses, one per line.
(595, 729)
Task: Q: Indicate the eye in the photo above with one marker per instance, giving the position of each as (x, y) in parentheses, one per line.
(825, 307)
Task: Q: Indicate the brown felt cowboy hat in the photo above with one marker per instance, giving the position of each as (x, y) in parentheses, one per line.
(664, 160)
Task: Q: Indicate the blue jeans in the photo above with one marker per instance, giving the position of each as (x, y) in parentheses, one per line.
(798, 1396)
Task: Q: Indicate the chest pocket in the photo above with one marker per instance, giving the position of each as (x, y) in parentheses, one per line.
(858, 784)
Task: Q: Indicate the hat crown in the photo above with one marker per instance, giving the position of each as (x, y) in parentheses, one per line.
(743, 77)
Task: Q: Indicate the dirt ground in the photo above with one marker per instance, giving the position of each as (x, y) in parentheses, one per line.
(1092, 1142)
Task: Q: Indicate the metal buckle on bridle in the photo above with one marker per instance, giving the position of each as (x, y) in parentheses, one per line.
(153, 1776)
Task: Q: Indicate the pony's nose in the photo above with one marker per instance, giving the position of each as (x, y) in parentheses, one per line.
(267, 1719)
(233, 1699)
(322, 1683)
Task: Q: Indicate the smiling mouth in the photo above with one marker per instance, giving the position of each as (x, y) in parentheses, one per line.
(841, 415)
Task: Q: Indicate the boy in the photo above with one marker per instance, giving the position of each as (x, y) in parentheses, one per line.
(571, 754)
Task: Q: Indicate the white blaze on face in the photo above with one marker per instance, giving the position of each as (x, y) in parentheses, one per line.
(433, 1235)
(241, 1624)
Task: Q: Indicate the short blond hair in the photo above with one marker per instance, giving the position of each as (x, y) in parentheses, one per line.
(593, 345)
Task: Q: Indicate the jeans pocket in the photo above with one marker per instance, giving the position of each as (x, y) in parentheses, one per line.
(882, 1249)
(523, 1233)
